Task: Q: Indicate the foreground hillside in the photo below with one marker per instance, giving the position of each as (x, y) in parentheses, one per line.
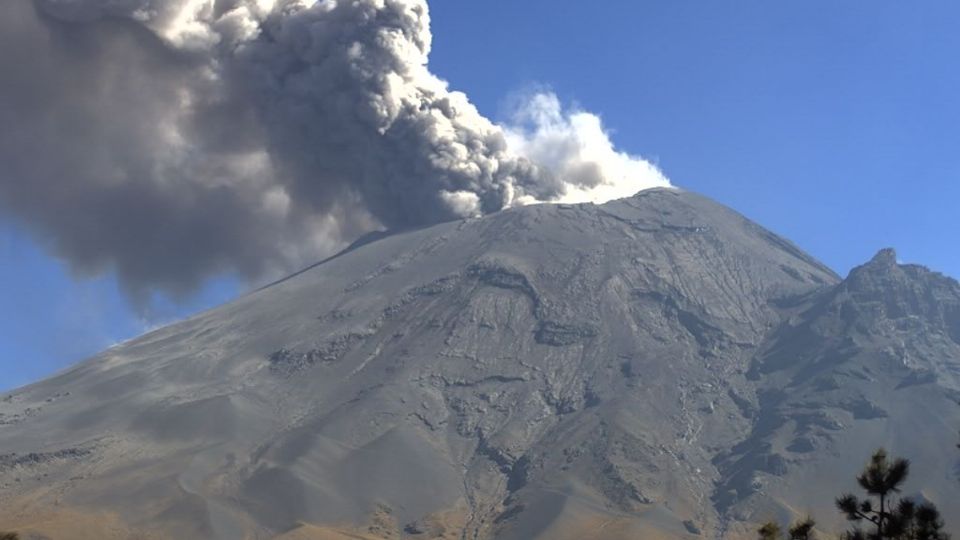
(655, 367)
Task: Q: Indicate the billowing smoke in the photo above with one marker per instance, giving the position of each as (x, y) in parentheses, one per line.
(573, 146)
(169, 140)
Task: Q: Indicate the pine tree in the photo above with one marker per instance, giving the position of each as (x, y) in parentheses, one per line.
(927, 524)
(801, 530)
(769, 531)
(892, 519)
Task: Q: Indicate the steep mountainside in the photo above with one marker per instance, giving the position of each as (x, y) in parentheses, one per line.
(655, 367)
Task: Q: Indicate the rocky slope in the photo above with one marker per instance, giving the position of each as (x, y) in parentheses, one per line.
(655, 367)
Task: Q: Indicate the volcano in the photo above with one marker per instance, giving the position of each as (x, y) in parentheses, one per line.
(653, 367)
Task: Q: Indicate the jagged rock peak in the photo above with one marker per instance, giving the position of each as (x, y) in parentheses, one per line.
(877, 272)
(883, 262)
(886, 257)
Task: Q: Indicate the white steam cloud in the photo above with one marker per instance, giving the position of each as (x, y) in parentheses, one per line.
(574, 146)
(169, 140)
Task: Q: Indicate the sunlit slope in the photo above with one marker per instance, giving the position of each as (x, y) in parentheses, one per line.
(655, 367)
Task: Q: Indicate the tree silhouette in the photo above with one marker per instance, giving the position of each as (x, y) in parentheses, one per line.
(9, 536)
(801, 530)
(892, 519)
(769, 531)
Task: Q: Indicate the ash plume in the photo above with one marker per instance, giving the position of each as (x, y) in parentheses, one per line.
(170, 140)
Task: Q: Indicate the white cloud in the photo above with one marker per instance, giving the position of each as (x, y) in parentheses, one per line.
(576, 148)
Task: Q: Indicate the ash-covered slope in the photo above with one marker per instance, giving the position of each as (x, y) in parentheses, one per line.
(655, 367)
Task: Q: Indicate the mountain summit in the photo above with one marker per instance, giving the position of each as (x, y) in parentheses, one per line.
(653, 367)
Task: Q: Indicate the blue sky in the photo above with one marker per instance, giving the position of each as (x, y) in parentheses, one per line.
(834, 124)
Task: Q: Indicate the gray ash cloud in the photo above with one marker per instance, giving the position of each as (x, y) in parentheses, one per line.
(173, 140)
